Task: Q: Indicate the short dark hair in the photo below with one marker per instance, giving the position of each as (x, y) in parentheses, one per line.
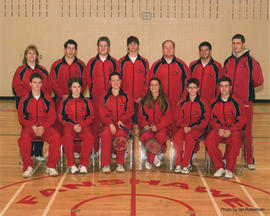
(75, 80)
(133, 39)
(168, 41)
(104, 38)
(193, 80)
(225, 79)
(35, 75)
(70, 41)
(239, 36)
(205, 43)
(113, 74)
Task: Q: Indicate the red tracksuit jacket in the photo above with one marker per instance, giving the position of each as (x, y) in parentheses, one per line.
(228, 115)
(245, 73)
(98, 74)
(76, 111)
(173, 77)
(194, 114)
(135, 76)
(61, 72)
(208, 77)
(39, 112)
(148, 116)
(114, 109)
(21, 79)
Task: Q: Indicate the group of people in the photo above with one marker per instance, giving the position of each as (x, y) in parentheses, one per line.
(170, 100)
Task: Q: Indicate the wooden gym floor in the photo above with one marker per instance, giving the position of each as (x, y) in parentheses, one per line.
(156, 192)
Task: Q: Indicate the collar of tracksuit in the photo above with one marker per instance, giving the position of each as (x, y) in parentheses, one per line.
(65, 62)
(128, 59)
(210, 62)
(220, 100)
(108, 57)
(31, 94)
(246, 53)
(71, 97)
(163, 61)
(197, 98)
(121, 92)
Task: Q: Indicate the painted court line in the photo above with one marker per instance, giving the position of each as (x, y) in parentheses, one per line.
(208, 190)
(12, 199)
(249, 196)
(55, 193)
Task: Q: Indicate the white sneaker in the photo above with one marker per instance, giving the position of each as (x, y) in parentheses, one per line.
(83, 169)
(160, 156)
(74, 169)
(113, 156)
(28, 172)
(251, 166)
(120, 168)
(106, 169)
(157, 161)
(178, 169)
(185, 170)
(40, 158)
(228, 174)
(77, 155)
(148, 165)
(194, 156)
(219, 172)
(51, 171)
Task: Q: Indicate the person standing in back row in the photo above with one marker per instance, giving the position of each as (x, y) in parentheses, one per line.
(98, 70)
(135, 74)
(246, 74)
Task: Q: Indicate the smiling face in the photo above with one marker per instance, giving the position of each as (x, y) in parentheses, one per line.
(115, 82)
(154, 87)
(205, 52)
(103, 48)
(75, 89)
(192, 89)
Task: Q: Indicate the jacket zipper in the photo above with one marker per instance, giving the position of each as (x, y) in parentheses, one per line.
(116, 109)
(104, 77)
(168, 80)
(224, 114)
(76, 110)
(190, 113)
(37, 112)
(133, 82)
(236, 63)
(202, 82)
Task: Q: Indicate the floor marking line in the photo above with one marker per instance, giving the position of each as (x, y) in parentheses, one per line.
(12, 199)
(208, 190)
(249, 196)
(55, 193)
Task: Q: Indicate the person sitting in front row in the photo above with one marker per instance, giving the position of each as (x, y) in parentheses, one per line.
(37, 114)
(226, 125)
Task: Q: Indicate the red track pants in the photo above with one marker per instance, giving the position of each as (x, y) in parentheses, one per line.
(86, 145)
(233, 145)
(160, 136)
(50, 135)
(191, 138)
(106, 145)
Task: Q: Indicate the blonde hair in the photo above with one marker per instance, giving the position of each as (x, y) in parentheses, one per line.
(30, 47)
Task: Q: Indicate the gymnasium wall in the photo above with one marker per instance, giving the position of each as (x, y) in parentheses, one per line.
(49, 23)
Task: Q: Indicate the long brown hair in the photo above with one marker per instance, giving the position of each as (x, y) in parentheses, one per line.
(30, 47)
(161, 99)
